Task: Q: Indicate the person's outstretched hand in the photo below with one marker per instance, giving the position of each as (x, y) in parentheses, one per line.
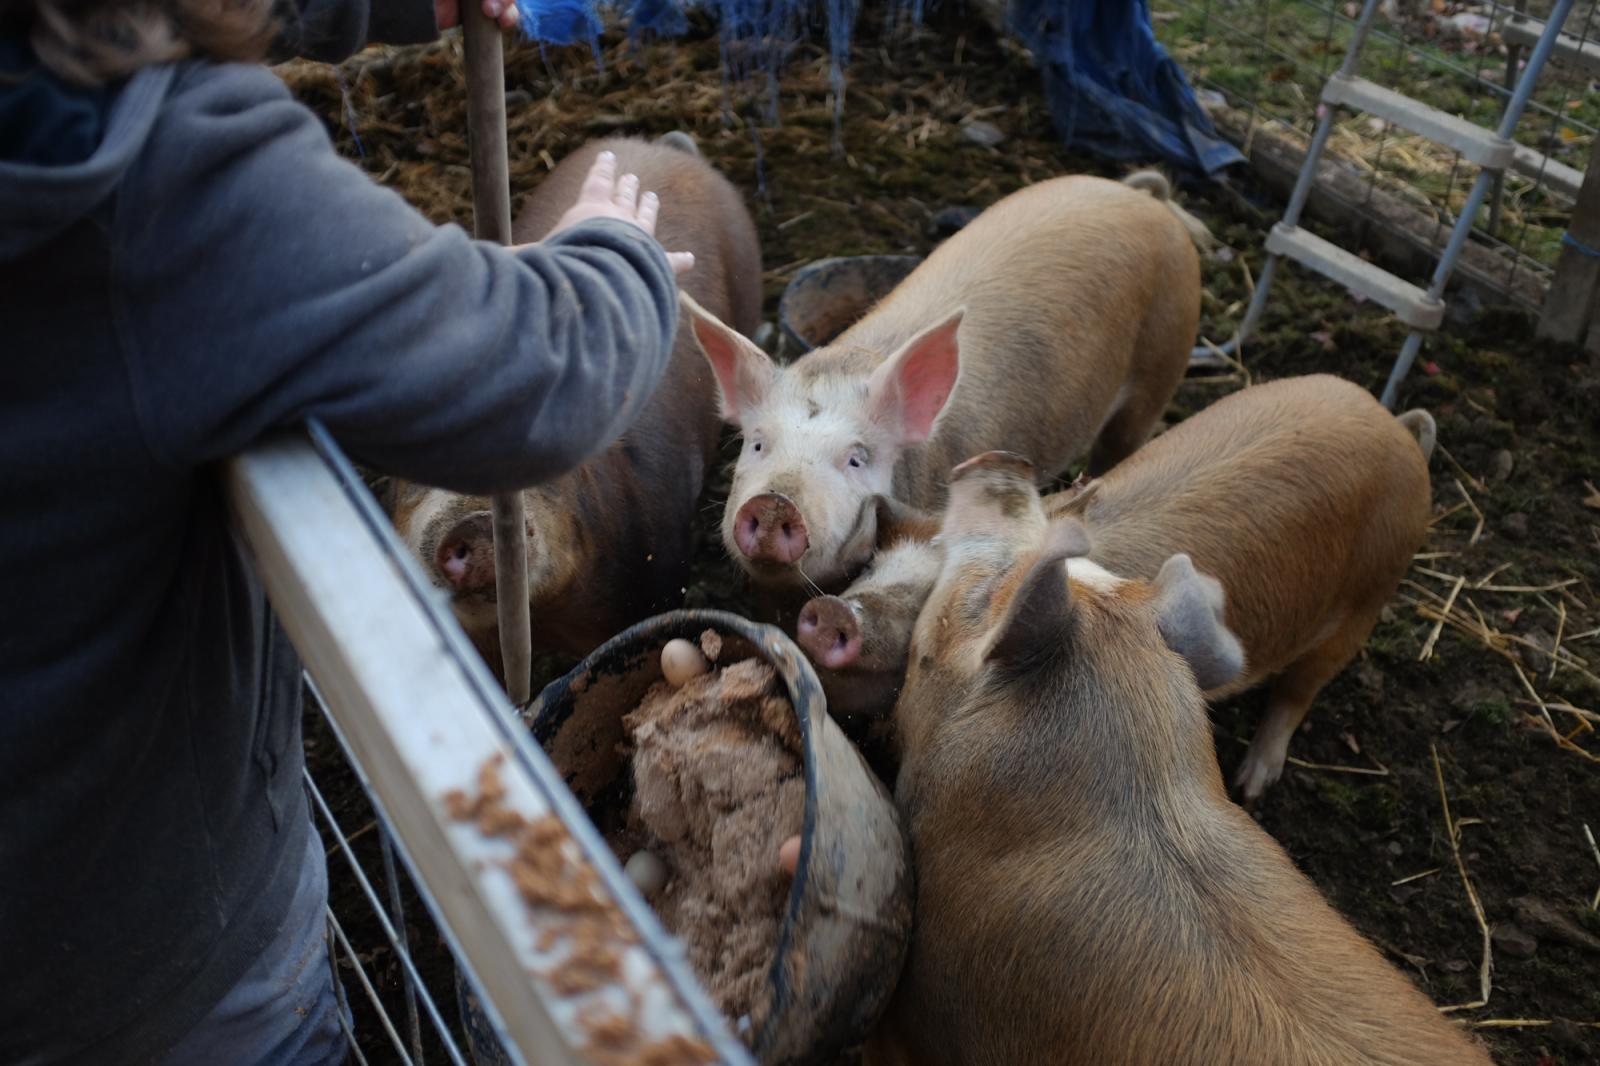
(603, 196)
(447, 13)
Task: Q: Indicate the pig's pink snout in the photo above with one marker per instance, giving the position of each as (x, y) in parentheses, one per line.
(828, 632)
(465, 555)
(768, 528)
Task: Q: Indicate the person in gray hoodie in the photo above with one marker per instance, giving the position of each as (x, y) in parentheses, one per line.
(186, 265)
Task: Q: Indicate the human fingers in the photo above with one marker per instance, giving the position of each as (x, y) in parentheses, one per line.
(601, 180)
(503, 12)
(627, 194)
(649, 208)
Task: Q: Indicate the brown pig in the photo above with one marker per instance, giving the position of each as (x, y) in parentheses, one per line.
(1303, 497)
(610, 542)
(1086, 893)
(1059, 319)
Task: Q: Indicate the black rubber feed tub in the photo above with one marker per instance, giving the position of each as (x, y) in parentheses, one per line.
(829, 296)
(846, 925)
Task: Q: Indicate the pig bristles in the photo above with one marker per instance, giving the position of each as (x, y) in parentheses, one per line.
(1453, 833)
(1594, 904)
(816, 589)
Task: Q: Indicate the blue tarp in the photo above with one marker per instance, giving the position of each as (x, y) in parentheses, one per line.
(1112, 88)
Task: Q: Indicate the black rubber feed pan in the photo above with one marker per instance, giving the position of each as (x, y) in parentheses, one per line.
(827, 297)
(845, 929)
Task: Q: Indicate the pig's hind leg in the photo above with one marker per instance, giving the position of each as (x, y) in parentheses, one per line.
(1128, 427)
(1289, 700)
(1161, 358)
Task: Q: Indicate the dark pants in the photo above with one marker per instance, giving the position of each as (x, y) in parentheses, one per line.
(283, 1011)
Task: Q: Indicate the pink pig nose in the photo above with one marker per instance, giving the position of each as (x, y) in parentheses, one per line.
(465, 555)
(768, 528)
(828, 632)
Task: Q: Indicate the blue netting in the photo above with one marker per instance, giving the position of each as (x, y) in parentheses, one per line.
(1113, 89)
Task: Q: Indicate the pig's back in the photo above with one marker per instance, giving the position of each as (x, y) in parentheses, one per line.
(1304, 497)
(1059, 281)
(701, 212)
(636, 500)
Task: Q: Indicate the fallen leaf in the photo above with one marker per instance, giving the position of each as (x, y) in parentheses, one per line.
(1350, 741)
(1512, 615)
(1593, 499)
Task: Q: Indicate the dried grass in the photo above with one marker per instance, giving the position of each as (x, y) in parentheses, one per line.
(1453, 833)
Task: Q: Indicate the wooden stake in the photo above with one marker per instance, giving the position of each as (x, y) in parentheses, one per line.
(1569, 308)
(491, 213)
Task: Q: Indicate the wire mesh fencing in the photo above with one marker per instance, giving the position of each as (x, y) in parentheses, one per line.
(396, 973)
(1260, 65)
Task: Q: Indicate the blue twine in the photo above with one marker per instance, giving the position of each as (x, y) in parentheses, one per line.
(1112, 88)
(1572, 242)
(349, 113)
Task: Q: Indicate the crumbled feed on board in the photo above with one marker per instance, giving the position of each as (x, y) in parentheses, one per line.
(548, 877)
(718, 787)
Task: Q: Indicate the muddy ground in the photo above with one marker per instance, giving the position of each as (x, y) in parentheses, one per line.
(1517, 426)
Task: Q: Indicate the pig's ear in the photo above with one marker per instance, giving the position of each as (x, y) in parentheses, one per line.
(1069, 536)
(744, 372)
(1039, 609)
(909, 389)
(899, 521)
(1189, 611)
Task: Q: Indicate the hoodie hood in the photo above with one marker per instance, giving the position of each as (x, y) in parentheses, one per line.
(64, 148)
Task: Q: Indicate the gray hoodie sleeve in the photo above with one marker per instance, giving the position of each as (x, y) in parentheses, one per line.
(262, 279)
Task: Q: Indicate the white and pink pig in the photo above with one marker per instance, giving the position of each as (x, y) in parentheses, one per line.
(1059, 321)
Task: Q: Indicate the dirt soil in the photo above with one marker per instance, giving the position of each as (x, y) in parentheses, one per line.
(1518, 516)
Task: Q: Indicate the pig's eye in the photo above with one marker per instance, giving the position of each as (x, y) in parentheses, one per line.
(858, 457)
(756, 444)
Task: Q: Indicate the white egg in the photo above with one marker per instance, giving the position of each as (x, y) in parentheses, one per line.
(647, 872)
(789, 855)
(681, 660)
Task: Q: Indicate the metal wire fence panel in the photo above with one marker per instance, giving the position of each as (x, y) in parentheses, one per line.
(1260, 66)
(395, 971)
